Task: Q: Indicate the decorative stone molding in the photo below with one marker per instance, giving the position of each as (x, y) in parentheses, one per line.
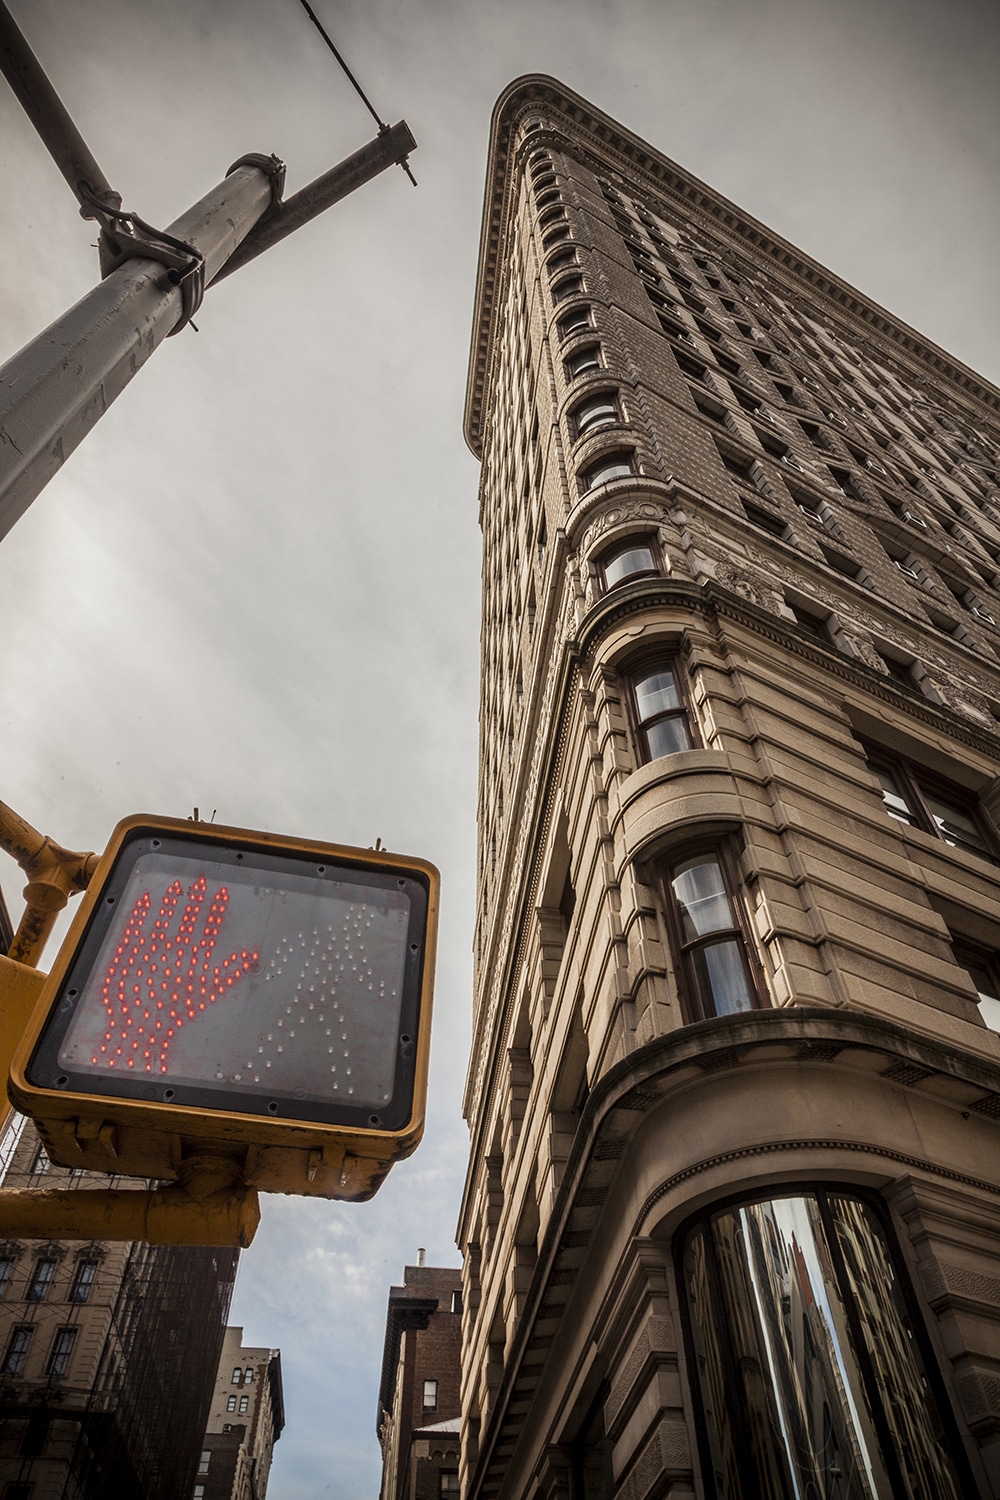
(749, 585)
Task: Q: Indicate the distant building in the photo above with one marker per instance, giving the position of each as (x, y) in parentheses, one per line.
(732, 1215)
(108, 1353)
(420, 1400)
(245, 1421)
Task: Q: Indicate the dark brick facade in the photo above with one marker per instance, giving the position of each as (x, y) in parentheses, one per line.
(423, 1343)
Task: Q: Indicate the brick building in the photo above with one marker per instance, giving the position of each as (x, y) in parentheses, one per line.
(732, 1212)
(245, 1421)
(420, 1392)
(108, 1352)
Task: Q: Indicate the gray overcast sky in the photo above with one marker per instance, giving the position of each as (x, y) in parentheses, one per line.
(255, 587)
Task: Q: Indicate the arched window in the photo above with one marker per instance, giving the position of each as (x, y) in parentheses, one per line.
(595, 412)
(812, 1370)
(575, 321)
(617, 465)
(570, 286)
(582, 360)
(629, 560)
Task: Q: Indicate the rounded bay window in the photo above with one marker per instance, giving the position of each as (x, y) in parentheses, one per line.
(811, 1371)
(598, 411)
(619, 464)
(635, 558)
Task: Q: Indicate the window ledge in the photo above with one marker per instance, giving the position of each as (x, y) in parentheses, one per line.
(692, 792)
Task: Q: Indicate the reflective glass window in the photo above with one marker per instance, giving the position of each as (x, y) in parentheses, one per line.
(62, 1348)
(584, 360)
(659, 711)
(628, 562)
(611, 466)
(808, 1361)
(711, 944)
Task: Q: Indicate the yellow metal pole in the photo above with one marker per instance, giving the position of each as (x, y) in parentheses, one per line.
(54, 874)
(164, 1216)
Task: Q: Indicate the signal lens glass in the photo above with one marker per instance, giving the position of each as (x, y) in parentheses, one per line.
(210, 973)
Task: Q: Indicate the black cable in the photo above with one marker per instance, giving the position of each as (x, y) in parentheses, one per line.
(314, 18)
(327, 39)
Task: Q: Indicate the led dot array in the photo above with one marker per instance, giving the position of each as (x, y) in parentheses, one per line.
(159, 980)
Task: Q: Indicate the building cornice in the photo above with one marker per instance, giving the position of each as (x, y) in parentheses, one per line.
(623, 152)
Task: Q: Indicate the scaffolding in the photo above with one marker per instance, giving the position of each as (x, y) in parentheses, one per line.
(128, 1415)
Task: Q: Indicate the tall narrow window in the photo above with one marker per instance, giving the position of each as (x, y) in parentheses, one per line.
(715, 967)
(62, 1348)
(230, 1403)
(237, 1375)
(17, 1350)
(6, 1272)
(660, 718)
(204, 1461)
(813, 1375)
(38, 1289)
(430, 1395)
(244, 1405)
(83, 1281)
(248, 1375)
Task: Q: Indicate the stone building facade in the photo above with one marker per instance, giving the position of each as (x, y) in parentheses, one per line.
(108, 1352)
(732, 1212)
(245, 1421)
(419, 1413)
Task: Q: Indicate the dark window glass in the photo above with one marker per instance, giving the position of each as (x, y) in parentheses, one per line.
(568, 288)
(812, 1375)
(576, 320)
(659, 713)
(584, 360)
(983, 968)
(634, 558)
(17, 1349)
(552, 216)
(711, 944)
(62, 1348)
(813, 623)
(555, 236)
(83, 1281)
(765, 519)
(449, 1483)
(561, 261)
(611, 466)
(41, 1281)
(920, 799)
(6, 1272)
(595, 413)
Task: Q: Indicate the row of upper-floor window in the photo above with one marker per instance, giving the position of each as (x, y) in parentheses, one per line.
(741, 321)
(40, 1282)
(840, 360)
(19, 1345)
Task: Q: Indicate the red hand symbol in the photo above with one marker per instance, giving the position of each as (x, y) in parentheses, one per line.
(156, 982)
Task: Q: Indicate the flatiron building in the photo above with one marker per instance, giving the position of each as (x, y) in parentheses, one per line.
(732, 1214)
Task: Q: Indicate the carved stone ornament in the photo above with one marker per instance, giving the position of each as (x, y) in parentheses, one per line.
(749, 585)
(616, 515)
(958, 697)
(864, 649)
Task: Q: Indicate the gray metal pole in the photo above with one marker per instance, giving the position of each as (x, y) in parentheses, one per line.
(57, 388)
(391, 146)
(50, 117)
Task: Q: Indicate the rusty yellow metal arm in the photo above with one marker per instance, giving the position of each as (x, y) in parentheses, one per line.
(174, 1215)
(54, 874)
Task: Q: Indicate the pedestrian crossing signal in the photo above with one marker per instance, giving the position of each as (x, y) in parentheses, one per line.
(231, 992)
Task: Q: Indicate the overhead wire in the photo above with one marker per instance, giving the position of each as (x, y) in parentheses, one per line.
(382, 126)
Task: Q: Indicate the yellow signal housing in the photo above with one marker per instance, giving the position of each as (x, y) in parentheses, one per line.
(224, 994)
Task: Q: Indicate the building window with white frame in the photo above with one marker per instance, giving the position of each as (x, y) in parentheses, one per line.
(430, 1400)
